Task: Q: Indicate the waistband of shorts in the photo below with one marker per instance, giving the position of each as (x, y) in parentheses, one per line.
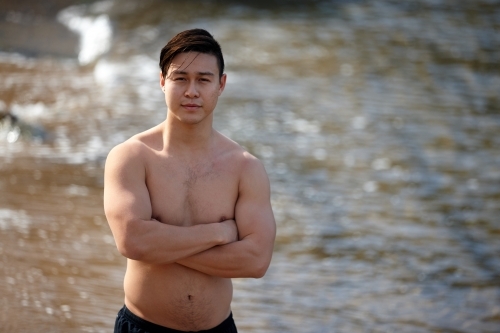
(155, 328)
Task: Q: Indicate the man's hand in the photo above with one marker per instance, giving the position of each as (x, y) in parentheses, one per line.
(230, 231)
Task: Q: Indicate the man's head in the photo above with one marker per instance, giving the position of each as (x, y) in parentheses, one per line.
(194, 40)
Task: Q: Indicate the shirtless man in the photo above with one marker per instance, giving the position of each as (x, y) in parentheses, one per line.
(188, 207)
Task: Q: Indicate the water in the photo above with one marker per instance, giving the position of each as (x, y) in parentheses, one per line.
(377, 122)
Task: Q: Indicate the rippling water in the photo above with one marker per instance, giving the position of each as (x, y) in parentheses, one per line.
(377, 121)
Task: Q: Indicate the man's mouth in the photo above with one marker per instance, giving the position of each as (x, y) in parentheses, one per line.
(191, 105)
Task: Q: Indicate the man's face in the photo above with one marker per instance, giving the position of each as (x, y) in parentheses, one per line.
(192, 86)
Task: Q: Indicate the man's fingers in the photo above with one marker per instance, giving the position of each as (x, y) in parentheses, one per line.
(232, 230)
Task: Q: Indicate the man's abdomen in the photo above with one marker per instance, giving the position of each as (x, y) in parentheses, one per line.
(176, 296)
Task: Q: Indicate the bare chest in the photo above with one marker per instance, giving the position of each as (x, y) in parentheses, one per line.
(188, 194)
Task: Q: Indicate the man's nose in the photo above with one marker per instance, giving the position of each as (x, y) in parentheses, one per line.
(192, 90)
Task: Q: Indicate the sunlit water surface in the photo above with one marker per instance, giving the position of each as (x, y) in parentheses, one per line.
(377, 121)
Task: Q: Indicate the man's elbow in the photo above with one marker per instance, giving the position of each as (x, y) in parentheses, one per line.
(257, 274)
(130, 249)
(258, 262)
(259, 269)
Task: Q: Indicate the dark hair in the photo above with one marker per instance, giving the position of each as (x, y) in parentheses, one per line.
(195, 40)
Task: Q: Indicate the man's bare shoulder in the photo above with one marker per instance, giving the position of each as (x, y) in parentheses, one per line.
(135, 148)
(248, 163)
(234, 149)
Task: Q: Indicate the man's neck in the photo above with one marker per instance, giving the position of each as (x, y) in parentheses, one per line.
(178, 136)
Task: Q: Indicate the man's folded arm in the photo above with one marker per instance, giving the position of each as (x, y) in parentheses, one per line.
(128, 210)
(251, 255)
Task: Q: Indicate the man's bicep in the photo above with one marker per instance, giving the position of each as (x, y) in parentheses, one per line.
(253, 212)
(125, 193)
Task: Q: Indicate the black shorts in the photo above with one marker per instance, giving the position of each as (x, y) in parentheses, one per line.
(127, 322)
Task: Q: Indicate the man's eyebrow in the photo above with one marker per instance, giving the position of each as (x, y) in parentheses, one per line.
(205, 73)
(182, 72)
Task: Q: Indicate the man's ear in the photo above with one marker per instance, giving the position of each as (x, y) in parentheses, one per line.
(162, 81)
(222, 83)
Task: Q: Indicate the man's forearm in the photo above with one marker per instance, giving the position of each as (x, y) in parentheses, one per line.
(154, 242)
(243, 258)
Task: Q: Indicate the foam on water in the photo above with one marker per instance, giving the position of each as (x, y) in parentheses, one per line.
(95, 31)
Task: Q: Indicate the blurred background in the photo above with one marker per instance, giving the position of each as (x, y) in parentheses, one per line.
(378, 123)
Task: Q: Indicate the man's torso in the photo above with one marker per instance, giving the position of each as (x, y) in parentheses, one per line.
(185, 191)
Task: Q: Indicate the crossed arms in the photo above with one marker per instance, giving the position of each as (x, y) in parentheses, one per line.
(234, 248)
